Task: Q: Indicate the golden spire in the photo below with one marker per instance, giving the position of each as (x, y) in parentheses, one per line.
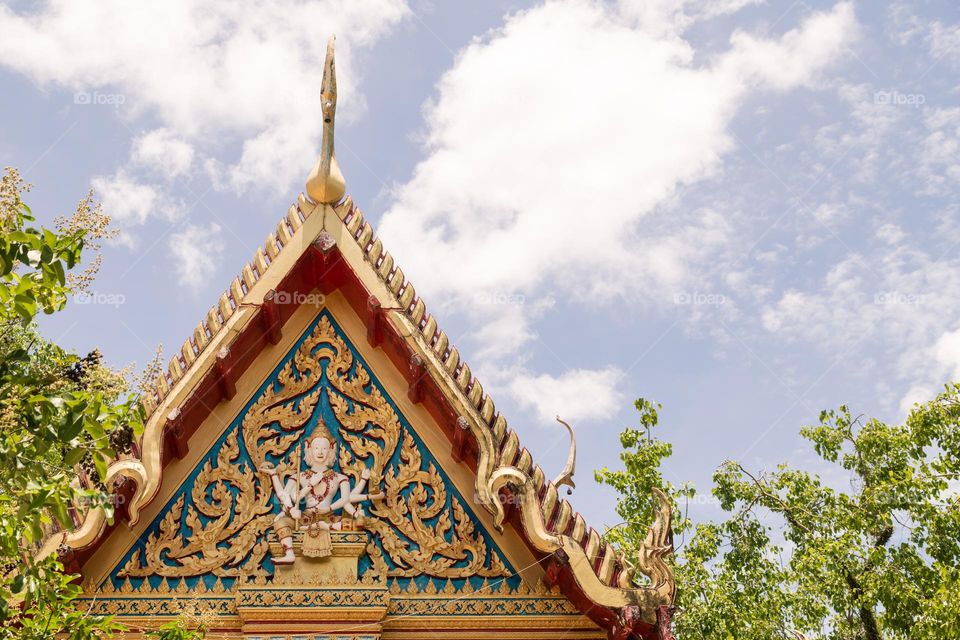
(325, 184)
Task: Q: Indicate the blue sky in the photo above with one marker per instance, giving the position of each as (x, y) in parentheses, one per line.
(745, 210)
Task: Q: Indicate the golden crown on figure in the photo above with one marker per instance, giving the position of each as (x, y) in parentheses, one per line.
(317, 453)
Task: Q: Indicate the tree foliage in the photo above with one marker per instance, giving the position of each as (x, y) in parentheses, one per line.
(57, 411)
(872, 554)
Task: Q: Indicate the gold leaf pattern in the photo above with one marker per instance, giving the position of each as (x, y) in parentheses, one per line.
(221, 531)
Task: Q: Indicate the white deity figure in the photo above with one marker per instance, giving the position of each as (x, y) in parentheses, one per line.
(323, 491)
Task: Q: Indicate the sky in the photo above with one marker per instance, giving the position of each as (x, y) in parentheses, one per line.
(746, 211)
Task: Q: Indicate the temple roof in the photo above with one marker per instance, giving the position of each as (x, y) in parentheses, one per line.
(329, 247)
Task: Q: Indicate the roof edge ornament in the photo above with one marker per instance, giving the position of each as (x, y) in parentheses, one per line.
(566, 476)
(325, 184)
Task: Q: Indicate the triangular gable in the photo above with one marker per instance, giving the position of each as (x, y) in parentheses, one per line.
(332, 251)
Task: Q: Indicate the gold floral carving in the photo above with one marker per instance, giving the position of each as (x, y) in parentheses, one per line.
(222, 530)
(235, 519)
(432, 552)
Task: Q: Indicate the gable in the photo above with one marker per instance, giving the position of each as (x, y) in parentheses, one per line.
(215, 527)
(564, 566)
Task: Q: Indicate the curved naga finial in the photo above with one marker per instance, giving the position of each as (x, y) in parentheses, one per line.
(566, 476)
(96, 521)
(656, 547)
(649, 559)
(325, 184)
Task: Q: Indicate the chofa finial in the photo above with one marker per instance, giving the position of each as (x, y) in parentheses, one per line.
(566, 476)
(325, 184)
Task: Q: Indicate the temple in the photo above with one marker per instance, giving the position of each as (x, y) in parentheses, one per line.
(318, 462)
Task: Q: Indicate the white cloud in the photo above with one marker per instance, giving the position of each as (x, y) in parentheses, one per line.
(163, 152)
(130, 203)
(899, 306)
(941, 40)
(831, 212)
(895, 294)
(671, 17)
(196, 254)
(943, 365)
(916, 394)
(947, 353)
(944, 41)
(797, 58)
(939, 156)
(890, 233)
(578, 394)
(557, 144)
(209, 71)
(508, 329)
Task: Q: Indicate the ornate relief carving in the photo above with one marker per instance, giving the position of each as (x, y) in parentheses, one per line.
(219, 526)
(415, 496)
(493, 598)
(226, 540)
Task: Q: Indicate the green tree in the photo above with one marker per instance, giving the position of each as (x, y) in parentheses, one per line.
(57, 411)
(176, 630)
(873, 556)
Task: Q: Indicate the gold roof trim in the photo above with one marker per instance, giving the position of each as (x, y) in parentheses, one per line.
(217, 321)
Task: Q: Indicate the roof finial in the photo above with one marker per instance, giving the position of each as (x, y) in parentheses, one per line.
(566, 476)
(325, 184)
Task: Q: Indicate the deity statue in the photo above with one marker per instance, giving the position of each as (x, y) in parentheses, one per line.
(323, 491)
